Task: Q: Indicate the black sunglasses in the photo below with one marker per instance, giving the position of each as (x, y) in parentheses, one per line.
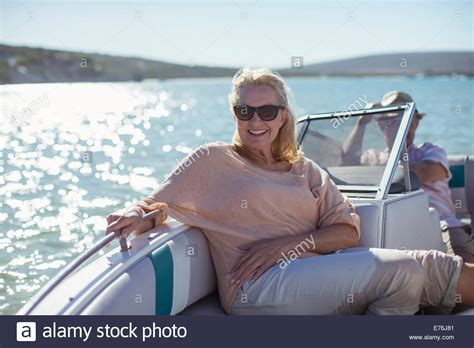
(265, 112)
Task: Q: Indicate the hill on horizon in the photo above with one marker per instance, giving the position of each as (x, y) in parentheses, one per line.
(426, 63)
(39, 65)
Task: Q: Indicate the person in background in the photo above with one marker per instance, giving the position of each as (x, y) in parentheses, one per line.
(427, 160)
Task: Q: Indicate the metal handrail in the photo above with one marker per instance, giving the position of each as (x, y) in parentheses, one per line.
(406, 168)
(79, 261)
(349, 113)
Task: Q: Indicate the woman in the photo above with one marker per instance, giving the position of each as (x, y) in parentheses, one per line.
(282, 237)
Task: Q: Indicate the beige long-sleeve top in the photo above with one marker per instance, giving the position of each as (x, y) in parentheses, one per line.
(235, 202)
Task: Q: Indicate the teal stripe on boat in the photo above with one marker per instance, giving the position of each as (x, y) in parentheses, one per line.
(458, 176)
(163, 265)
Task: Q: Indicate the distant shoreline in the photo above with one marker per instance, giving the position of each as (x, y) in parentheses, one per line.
(20, 65)
(451, 76)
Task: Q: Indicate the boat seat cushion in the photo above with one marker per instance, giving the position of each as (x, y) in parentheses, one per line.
(209, 305)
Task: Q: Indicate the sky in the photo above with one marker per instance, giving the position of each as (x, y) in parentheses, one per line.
(236, 32)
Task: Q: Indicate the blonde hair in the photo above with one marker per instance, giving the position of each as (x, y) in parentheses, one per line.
(284, 147)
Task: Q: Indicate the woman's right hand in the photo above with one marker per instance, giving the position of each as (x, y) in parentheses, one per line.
(125, 221)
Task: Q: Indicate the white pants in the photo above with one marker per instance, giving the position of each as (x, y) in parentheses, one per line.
(354, 281)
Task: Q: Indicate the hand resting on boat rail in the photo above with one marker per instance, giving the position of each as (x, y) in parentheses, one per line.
(137, 218)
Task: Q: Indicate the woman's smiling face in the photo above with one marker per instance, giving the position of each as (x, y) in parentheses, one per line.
(255, 133)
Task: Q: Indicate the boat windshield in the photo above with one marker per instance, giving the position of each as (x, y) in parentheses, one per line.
(360, 150)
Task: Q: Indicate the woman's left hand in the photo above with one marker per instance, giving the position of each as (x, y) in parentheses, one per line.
(259, 257)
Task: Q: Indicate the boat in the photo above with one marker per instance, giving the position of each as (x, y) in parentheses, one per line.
(169, 271)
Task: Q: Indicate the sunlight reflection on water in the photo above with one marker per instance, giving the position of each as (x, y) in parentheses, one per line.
(72, 153)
